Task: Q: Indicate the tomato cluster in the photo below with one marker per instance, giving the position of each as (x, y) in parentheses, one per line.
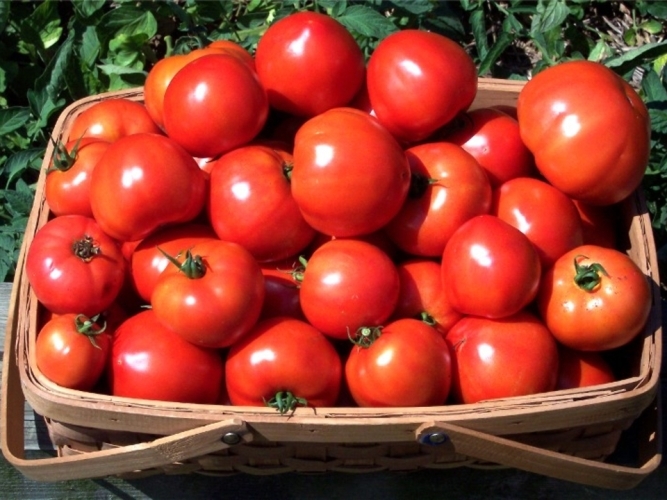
(289, 228)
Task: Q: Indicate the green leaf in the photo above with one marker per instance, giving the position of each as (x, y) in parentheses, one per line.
(651, 26)
(367, 22)
(478, 26)
(417, 7)
(19, 199)
(20, 162)
(52, 80)
(89, 49)
(653, 88)
(626, 61)
(658, 117)
(552, 16)
(87, 8)
(504, 40)
(4, 15)
(12, 119)
(600, 51)
(145, 24)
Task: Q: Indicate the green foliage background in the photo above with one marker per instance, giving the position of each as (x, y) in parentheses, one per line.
(53, 53)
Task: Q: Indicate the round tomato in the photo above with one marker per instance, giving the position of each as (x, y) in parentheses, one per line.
(147, 260)
(594, 298)
(111, 119)
(447, 188)
(74, 267)
(350, 175)
(149, 361)
(599, 224)
(281, 290)
(493, 139)
(250, 203)
(490, 268)
(283, 362)
(422, 295)
(588, 130)
(406, 363)
(418, 81)
(543, 213)
(212, 295)
(72, 350)
(145, 181)
(67, 187)
(348, 284)
(501, 358)
(582, 369)
(309, 63)
(214, 104)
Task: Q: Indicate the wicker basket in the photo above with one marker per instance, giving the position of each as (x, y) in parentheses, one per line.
(563, 434)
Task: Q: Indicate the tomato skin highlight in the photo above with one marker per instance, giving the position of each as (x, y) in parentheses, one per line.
(565, 109)
(309, 63)
(283, 354)
(606, 317)
(409, 364)
(150, 361)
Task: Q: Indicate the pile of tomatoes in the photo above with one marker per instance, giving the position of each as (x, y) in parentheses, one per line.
(287, 228)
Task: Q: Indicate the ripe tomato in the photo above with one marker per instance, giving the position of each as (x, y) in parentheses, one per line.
(142, 182)
(447, 188)
(418, 81)
(147, 261)
(594, 299)
(283, 362)
(281, 290)
(406, 363)
(161, 74)
(348, 284)
(149, 361)
(111, 119)
(350, 175)
(309, 63)
(543, 213)
(501, 358)
(72, 350)
(74, 267)
(213, 294)
(490, 268)
(582, 369)
(214, 104)
(422, 295)
(566, 109)
(250, 203)
(599, 224)
(493, 139)
(67, 187)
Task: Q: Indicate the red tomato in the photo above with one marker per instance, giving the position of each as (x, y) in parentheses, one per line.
(582, 369)
(74, 267)
(346, 285)
(565, 112)
(350, 175)
(543, 213)
(283, 362)
(448, 187)
(72, 350)
(501, 358)
(418, 81)
(161, 74)
(214, 104)
(407, 363)
(212, 296)
(147, 261)
(149, 361)
(67, 187)
(309, 63)
(282, 294)
(594, 299)
(111, 119)
(493, 139)
(599, 224)
(422, 295)
(490, 268)
(143, 182)
(250, 203)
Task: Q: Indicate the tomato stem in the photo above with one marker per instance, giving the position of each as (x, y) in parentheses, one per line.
(63, 160)
(588, 276)
(193, 266)
(365, 336)
(419, 184)
(287, 171)
(285, 401)
(86, 248)
(89, 327)
(428, 319)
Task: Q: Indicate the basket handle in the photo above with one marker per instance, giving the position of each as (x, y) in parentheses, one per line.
(503, 451)
(162, 451)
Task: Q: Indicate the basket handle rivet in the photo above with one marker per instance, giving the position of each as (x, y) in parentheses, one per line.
(231, 438)
(435, 438)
